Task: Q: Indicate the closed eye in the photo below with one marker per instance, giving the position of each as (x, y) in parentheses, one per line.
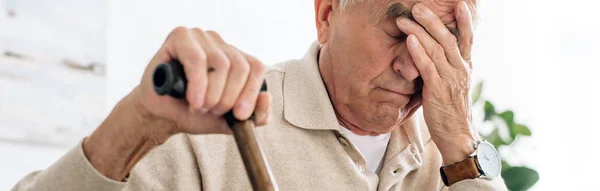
(401, 37)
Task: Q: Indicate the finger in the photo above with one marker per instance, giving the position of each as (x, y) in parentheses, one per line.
(464, 21)
(219, 65)
(439, 32)
(193, 58)
(408, 26)
(262, 112)
(215, 37)
(430, 45)
(247, 100)
(238, 75)
(424, 64)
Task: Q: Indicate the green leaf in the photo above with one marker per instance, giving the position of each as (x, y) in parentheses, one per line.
(495, 139)
(519, 129)
(489, 110)
(508, 117)
(505, 166)
(520, 178)
(477, 92)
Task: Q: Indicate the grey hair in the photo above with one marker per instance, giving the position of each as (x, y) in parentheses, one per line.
(472, 6)
(346, 3)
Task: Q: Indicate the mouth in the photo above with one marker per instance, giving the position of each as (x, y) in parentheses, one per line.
(418, 88)
(403, 93)
(405, 99)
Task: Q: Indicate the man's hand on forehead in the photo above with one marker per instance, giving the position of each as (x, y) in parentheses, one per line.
(445, 67)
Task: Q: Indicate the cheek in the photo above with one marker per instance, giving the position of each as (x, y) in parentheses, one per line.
(369, 57)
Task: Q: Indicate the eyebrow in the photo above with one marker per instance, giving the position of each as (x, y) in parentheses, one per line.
(397, 10)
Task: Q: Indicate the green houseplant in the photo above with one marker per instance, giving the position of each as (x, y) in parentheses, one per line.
(516, 177)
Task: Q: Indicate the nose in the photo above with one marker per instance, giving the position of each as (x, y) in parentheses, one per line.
(405, 67)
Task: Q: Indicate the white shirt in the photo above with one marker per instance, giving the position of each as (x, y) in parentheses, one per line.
(372, 148)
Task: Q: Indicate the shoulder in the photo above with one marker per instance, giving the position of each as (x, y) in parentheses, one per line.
(275, 75)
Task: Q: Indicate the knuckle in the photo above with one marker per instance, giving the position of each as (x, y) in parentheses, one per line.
(213, 34)
(219, 59)
(467, 39)
(225, 63)
(251, 92)
(215, 37)
(451, 42)
(243, 68)
(261, 68)
(235, 56)
(198, 56)
(438, 52)
(198, 33)
(179, 31)
(197, 30)
(257, 66)
(429, 69)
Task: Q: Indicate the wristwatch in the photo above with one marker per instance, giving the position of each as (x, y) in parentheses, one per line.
(485, 161)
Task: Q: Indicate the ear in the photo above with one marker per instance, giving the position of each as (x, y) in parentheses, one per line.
(324, 10)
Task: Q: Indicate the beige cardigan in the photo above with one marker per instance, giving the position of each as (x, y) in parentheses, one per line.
(302, 142)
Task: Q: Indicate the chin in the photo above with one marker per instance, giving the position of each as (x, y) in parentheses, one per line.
(385, 118)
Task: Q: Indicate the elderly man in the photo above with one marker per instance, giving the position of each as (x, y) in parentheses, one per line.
(341, 118)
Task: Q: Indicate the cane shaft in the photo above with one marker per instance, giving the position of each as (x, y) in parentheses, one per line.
(254, 159)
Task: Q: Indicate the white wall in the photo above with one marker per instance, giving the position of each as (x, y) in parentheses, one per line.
(46, 107)
(72, 29)
(541, 58)
(272, 30)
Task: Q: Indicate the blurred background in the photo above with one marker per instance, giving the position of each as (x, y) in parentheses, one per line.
(65, 63)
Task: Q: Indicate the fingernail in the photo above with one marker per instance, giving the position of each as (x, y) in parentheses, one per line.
(203, 110)
(262, 116)
(243, 106)
(402, 22)
(413, 41)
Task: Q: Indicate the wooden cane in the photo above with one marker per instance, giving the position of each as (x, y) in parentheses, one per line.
(169, 79)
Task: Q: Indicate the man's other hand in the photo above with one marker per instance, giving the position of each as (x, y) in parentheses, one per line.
(143, 119)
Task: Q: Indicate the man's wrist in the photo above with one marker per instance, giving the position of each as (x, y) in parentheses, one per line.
(456, 148)
(458, 153)
(123, 139)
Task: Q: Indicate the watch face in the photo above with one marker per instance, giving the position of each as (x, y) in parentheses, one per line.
(489, 159)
